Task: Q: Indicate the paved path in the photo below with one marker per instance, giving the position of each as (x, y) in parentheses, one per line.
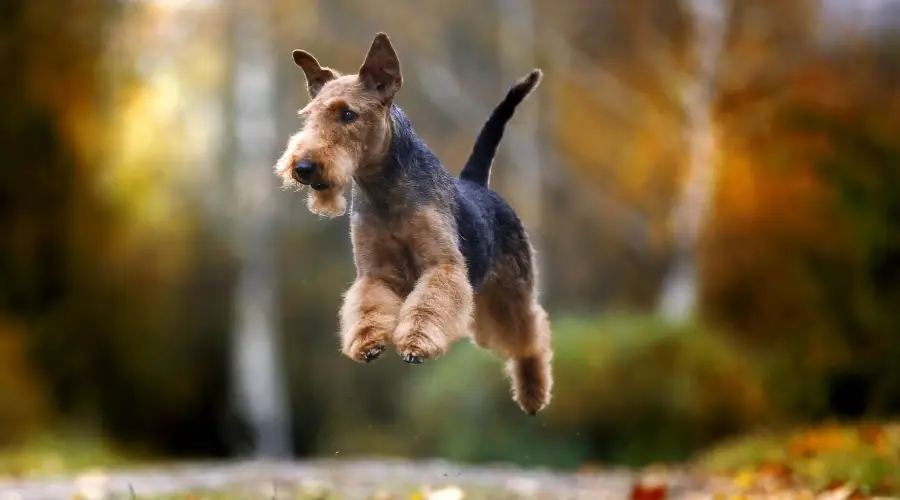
(351, 480)
(346, 479)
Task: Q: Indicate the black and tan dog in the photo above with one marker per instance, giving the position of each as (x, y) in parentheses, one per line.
(438, 258)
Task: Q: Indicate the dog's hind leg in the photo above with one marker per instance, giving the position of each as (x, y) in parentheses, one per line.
(510, 322)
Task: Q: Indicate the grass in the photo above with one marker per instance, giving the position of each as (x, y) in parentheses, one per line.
(60, 454)
(865, 455)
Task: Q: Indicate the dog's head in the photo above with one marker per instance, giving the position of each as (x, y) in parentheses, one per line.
(346, 127)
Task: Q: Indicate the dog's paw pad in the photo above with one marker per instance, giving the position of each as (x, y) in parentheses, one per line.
(413, 359)
(373, 353)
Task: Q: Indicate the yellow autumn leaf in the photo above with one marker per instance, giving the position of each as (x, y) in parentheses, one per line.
(745, 478)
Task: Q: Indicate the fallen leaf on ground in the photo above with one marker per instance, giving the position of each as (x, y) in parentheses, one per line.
(817, 441)
(844, 492)
(745, 478)
(448, 493)
(875, 436)
(648, 492)
(775, 470)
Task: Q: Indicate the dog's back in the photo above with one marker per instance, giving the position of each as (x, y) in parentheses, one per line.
(490, 232)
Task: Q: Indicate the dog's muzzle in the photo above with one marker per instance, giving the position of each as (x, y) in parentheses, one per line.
(309, 173)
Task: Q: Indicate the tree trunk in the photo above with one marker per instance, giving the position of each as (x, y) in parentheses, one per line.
(680, 287)
(260, 392)
(517, 56)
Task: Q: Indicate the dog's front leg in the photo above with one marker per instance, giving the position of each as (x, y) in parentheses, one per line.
(368, 318)
(436, 313)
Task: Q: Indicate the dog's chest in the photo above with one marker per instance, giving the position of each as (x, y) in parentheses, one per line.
(389, 251)
(409, 268)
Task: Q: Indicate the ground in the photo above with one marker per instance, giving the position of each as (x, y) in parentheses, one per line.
(375, 479)
(826, 462)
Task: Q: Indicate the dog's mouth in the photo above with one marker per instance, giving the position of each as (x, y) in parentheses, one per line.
(315, 184)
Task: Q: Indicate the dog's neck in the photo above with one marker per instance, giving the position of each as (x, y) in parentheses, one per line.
(395, 183)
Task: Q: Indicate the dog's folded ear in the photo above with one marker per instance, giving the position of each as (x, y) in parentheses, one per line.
(316, 75)
(380, 73)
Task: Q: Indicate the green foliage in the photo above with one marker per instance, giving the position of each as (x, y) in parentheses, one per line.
(863, 170)
(629, 389)
(865, 455)
(63, 453)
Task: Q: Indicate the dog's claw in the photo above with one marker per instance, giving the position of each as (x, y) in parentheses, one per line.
(413, 359)
(373, 353)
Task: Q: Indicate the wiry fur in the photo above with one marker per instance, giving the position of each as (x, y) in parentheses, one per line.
(437, 258)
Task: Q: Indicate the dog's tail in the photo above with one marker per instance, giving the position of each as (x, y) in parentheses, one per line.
(478, 167)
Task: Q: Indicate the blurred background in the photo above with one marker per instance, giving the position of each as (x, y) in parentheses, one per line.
(713, 187)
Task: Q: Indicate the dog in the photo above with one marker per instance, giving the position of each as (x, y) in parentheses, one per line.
(438, 258)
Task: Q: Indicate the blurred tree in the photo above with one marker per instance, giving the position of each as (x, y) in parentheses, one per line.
(112, 299)
(689, 213)
(800, 258)
(259, 380)
(613, 110)
(23, 403)
(53, 222)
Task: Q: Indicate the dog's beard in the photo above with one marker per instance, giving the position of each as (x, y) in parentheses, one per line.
(326, 196)
(330, 200)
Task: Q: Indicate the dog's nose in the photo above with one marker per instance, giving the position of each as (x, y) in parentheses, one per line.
(305, 169)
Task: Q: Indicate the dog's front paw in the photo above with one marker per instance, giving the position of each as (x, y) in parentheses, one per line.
(412, 358)
(416, 343)
(365, 345)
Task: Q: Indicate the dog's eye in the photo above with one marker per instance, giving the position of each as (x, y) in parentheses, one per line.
(348, 115)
